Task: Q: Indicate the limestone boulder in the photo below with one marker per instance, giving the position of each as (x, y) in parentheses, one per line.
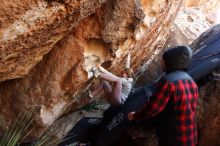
(194, 18)
(30, 29)
(210, 9)
(48, 47)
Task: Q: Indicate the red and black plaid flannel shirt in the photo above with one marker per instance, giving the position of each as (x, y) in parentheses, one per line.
(180, 98)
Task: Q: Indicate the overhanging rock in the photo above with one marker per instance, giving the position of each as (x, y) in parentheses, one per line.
(48, 47)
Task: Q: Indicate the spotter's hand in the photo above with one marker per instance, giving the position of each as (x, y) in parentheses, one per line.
(131, 116)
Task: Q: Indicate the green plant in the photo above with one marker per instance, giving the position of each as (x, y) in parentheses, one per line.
(46, 139)
(18, 131)
(21, 128)
(92, 106)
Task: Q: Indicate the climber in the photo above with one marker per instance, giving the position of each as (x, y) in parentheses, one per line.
(121, 88)
(174, 101)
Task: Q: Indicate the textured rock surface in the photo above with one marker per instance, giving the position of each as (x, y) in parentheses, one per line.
(208, 117)
(192, 20)
(209, 103)
(47, 47)
(188, 26)
(207, 7)
(33, 28)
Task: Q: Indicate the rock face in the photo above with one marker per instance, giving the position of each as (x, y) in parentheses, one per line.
(188, 26)
(210, 9)
(208, 117)
(192, 20)
(33, 29)
(48, 47)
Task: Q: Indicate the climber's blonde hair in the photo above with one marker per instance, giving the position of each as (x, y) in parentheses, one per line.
(129, 72)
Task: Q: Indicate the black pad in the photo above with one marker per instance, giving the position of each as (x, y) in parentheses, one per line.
(115, 120)
(83, 132)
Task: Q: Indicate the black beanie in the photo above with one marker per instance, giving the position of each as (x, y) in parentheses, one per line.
(177, 58)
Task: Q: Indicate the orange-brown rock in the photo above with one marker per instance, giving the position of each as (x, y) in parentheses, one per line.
(48, 47)
(29, 30)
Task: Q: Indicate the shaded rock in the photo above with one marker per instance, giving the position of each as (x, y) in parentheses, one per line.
(47, 86)
(48, 48)
(208, 118)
